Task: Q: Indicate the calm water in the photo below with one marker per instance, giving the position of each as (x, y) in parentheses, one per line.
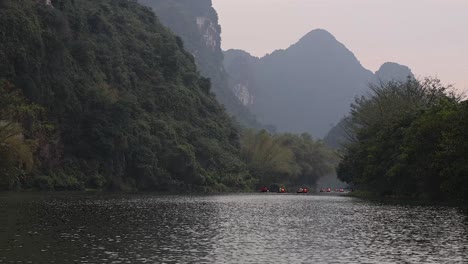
(71, 228)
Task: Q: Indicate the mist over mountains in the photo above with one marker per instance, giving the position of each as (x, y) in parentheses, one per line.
(307, 87)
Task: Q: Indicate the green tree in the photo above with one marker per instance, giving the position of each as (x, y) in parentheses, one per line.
(407, 139)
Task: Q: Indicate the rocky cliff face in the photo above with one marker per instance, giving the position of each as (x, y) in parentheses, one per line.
(307, 87)
(196, 22)
(210, 33)
(240, 66)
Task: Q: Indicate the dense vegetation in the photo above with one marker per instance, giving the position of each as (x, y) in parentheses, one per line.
(129, 108)
(99, 94)
(409, 139)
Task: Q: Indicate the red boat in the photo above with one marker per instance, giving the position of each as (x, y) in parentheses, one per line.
(303, 190)
(282, 190)
(264, 189)
(328, 189)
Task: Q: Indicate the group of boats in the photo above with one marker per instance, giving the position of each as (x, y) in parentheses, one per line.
(283, 190)
(328, 190)
(300, 190)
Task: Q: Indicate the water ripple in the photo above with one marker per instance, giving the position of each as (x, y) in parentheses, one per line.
(227, 229)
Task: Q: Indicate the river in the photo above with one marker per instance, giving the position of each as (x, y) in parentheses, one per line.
(255, 228)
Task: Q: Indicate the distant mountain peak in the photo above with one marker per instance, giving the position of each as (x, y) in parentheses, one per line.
(318, 34)
(393, 65)
(391, 71)
(319, 42)
(318, 38)
(239, 53)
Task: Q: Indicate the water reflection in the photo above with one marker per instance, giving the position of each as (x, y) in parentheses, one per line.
(226, 229)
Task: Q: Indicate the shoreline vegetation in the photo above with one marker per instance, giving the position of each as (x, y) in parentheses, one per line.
(408, 140)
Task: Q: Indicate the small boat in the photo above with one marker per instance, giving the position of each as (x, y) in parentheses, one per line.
(282, 190)
(303, 190)
(328, 189)
(341, 190)
(264, 189)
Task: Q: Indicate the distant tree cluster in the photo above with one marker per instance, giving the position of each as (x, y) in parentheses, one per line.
(408, 139)
(286, 159)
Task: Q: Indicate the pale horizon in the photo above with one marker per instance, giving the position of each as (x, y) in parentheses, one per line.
(429, 36)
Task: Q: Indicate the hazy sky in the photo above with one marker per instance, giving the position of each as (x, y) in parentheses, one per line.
(429, 36)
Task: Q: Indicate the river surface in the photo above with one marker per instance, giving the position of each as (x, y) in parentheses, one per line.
(269, 228)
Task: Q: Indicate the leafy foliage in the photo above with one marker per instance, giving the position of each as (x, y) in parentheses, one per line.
(409, 138)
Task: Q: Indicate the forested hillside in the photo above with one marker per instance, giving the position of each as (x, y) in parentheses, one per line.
(196, 22)
(123, 104)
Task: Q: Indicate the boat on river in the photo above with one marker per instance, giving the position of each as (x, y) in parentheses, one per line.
(303, 190)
